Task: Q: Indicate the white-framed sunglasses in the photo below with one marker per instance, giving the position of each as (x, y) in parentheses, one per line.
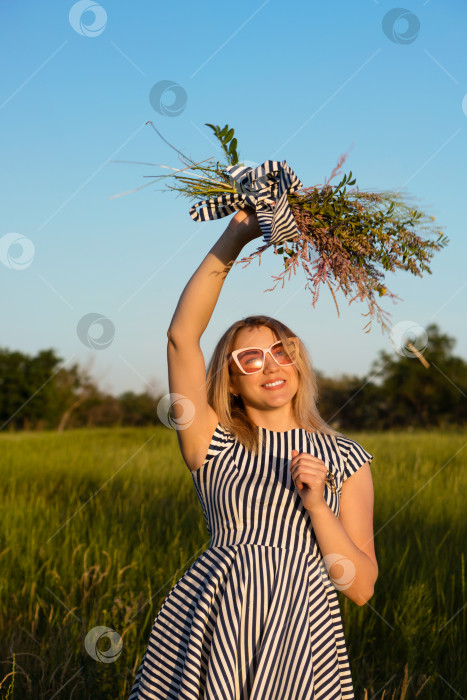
(251, 360)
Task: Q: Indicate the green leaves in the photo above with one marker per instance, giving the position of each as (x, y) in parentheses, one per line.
(227, 141)
(348, 239)
(347, 180)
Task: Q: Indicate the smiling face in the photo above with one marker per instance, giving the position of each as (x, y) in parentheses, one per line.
(251, 387)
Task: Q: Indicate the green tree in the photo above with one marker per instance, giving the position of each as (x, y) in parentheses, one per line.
(26, 388)
(138, 409)
(35, 392)
(349, 402)
(419, 396)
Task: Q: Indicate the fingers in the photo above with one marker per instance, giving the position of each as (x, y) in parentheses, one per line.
(304, 463)
(307, 459)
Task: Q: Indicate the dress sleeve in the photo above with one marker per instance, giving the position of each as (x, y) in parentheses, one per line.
(354, 456)
(220, 441)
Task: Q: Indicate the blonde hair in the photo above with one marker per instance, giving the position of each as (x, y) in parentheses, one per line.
(230, 409)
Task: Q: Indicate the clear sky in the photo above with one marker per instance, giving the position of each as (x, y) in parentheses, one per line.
(299, 81)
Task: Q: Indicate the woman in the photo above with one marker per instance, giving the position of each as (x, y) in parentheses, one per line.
(257, 615)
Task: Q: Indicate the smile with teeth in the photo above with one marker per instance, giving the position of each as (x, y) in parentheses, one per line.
(276, 383)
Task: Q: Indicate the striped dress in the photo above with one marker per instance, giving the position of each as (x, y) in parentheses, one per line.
(256, 616)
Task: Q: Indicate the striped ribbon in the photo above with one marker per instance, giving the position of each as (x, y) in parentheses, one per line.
(263, 188)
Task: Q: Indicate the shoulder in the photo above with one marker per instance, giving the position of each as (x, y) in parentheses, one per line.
(345, 454)
(353, 455)
(222, 436)
(222, 439)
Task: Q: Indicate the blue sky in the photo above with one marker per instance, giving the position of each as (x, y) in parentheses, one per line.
(302, 82)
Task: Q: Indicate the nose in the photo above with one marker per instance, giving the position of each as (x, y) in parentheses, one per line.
(270, 363)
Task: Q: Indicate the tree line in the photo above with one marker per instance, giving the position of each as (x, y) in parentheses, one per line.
(399, 391)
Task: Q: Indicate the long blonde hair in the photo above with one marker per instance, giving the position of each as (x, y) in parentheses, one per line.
(230, 409)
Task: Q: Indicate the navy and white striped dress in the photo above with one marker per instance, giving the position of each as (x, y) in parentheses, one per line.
(256, 616)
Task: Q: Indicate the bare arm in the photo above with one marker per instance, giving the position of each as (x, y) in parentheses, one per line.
(200, 295)
(350, 537)
(187, 369)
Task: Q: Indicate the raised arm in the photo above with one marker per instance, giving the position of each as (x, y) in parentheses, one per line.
(187, 369)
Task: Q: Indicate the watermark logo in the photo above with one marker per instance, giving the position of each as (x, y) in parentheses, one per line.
(165, 411)
(409, 339)
(464, 105)
(107, 656)
(401, 26)
(91, 321)
(343, 573)
(159, 94)
(16, 251)
(87, 18)
(256, 187)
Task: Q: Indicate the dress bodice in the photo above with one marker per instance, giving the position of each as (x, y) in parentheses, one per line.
(251, 498)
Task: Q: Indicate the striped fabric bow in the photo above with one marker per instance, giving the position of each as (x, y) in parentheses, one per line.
(265, 189)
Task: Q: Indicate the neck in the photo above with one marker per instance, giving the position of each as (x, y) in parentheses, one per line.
(279, 420)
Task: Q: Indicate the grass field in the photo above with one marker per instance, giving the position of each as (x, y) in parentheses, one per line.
(97, 525)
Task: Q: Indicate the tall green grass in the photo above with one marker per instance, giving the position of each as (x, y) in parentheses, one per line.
(97, 525)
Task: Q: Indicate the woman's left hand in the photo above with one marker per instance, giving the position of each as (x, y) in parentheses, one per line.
(308, 474)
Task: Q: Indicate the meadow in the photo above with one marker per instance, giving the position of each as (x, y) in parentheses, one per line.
(96, 526)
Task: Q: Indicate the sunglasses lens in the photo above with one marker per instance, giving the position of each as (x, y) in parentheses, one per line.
(251, 360)
(283, 356)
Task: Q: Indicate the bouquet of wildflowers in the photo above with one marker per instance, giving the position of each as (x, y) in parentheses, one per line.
(344, 238)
